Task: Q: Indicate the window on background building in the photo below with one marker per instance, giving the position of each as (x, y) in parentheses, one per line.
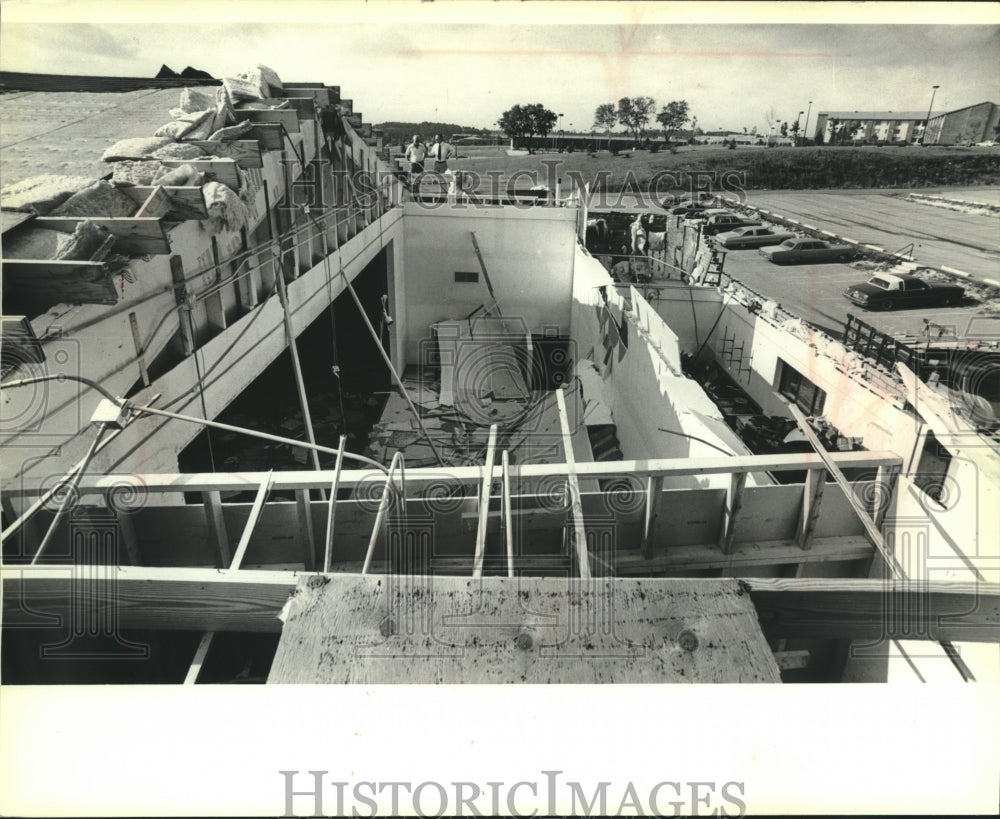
(796, 387)
(932, 468)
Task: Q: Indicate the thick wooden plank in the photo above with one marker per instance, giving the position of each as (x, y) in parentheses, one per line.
(485, 490)
(217, 170)
(731, 511)
(365, 630)
(812, 499)
(310, 479)
(283, 116)
(135, 235)
(57, 282)
(873, 609)
(244, 152)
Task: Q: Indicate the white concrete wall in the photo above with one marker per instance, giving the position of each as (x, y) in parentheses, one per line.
(528, 254)
(644, 386)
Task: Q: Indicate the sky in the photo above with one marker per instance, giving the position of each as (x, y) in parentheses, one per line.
(442, 61)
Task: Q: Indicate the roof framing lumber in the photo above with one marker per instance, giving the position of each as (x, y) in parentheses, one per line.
(210, 600)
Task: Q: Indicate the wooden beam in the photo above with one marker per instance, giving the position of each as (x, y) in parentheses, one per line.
(383, 506)
(320, 96)
(136, 235)
(331, 512)
(731, 510)
(579, 532)
(654, 495)
(212, 501)
(876, 609)
(844, 484)
(282, 116)
(217, 170)
(129, 540)
(310, 479)
(244, 152)
(306, 534)
(255, 510)
(812, 498)
(268, 135)
(154, 598)
(56, 282)
(885, 486)
(485, 491)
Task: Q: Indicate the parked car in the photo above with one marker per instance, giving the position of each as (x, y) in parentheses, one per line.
(807, 251)
(705, 213)
(887, 291)
(752, 236)
(686, 208)
(722, 222)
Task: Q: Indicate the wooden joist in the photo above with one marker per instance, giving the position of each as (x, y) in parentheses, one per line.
(731, 511)
(812, 497)
(309, 479)
(186, 201)
(244, 152)
(134, 235)
(578, 532)
(874, 609)
(485, 490)
(209, 600)
(268, 135)
(55, 282)
(282, 116)
(320, 95)
(217, 170)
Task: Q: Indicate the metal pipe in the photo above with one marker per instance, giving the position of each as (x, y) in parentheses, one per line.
(388, 362)
(380, 515)
(73, 482)
(331, 510)
(263, 435)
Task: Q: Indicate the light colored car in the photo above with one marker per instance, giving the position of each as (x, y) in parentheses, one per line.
(807, 251)
(990, 143)
(753, 236)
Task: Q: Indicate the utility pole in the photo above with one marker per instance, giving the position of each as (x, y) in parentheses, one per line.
(927, 123)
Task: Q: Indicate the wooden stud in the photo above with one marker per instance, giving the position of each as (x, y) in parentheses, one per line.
(127, 530)
(305, 529)
(812, 498)
(885, 487)
(199, 658)
(255, 510)
(140, 353)
(654, 494)
(485, 491)
(331, 512)
(157, 204)
(282, 116)
(212, 502)
(731, 511)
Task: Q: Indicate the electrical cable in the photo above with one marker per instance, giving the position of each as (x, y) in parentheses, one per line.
(696, 438)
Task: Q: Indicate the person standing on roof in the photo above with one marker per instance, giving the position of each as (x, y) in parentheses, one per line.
(441, 152)
(416, 152)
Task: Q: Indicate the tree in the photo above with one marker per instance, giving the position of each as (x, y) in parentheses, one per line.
(525, 121)
(634, 113)
(794, 130)
(672, 116)
(784, 129)
(606, 117)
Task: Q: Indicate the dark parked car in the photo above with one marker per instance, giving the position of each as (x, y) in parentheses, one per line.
(807, 251)
(890, 290)
(753, 236)
(723, 222)
(687, 208)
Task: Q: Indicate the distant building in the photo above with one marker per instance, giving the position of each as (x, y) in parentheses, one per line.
(974, 123)
(871, 126)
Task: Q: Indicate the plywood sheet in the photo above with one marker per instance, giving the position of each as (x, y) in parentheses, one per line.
(395, 629)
